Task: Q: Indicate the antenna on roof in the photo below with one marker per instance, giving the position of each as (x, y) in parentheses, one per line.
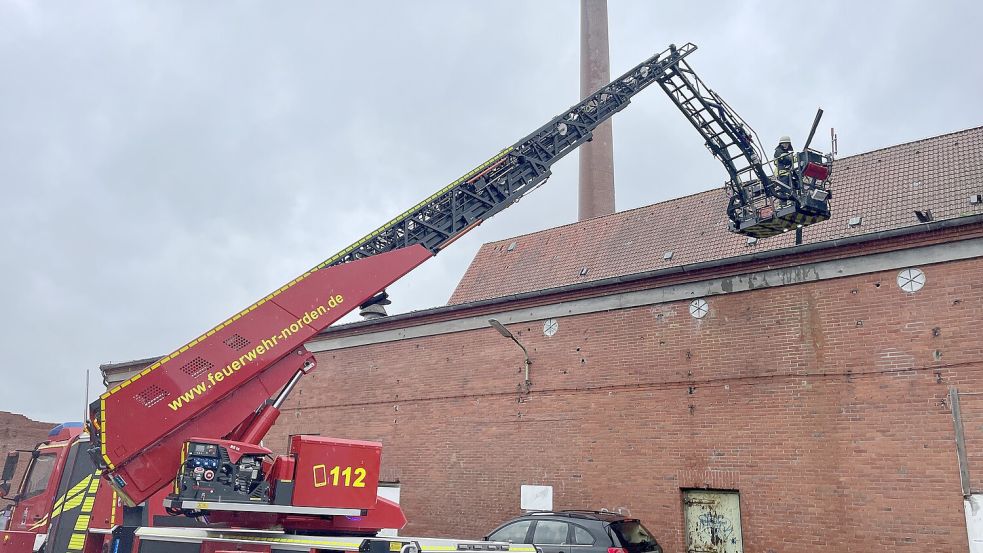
(832, 140)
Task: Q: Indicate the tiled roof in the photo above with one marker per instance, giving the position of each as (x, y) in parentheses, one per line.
(883, 187)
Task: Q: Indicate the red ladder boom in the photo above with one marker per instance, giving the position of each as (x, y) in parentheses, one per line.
(210, 386)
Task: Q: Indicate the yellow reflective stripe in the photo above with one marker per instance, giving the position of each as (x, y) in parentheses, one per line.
(77, 542)
(77, 488)
(82, 523)
(87, 504)
(70, 496)
(39, 523)
(102, 431)
(323, 264)
(93, 485)
(348, 544)
(73, 502)
(112, 511)
(341, 544)
(402, 215)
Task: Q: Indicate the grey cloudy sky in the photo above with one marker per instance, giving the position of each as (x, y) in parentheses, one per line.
(164, 164)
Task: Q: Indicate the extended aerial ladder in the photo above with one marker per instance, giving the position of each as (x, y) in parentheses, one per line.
(211, 387)
(205, 407)
(196, 417)
(761, 204)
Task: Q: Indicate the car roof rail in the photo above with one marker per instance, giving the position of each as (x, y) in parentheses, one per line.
(584, 513)
(600, 515)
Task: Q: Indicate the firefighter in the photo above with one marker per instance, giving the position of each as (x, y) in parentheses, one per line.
(783, 159)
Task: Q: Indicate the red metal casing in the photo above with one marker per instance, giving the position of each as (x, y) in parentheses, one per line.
(211, 385)
(280, 468)
(17, 542)
(816, 171)
(332, 472)
(106, 511)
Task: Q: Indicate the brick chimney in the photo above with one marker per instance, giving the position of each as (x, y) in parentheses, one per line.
(597, 156)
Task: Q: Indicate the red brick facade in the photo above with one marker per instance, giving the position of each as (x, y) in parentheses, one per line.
(823, 403)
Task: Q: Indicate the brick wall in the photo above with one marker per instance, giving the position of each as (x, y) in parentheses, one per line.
(823, 403)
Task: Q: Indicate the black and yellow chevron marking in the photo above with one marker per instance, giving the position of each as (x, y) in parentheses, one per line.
(81, 496)
(85, 514)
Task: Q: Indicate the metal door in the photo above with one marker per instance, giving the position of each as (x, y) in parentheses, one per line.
(713, 521)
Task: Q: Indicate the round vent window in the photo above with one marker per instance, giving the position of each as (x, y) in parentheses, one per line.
(699, 308)
(550, 327)
(911, 280)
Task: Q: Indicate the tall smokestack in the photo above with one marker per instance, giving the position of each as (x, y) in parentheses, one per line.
(597, 156)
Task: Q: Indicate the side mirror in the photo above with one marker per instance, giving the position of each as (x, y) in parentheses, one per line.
(9, 466)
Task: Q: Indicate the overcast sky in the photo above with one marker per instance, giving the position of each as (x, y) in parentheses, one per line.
(165, 164)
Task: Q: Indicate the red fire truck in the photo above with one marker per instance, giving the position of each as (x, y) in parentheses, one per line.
(172, 459)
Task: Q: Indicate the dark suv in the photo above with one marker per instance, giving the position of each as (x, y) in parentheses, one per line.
(578, 532)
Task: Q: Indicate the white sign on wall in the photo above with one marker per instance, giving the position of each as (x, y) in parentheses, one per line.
(392, 494)
(535, 498)
(974, 522)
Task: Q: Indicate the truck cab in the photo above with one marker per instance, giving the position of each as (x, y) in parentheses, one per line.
(55, 504)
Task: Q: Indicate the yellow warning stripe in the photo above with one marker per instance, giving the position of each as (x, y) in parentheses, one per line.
(77, 542)
(237, 316)
(87, 499)
(71, 503)
(353, 545)
(39, 523)
(82, 523)
(348, 544)
(72, 496)
(455, 548)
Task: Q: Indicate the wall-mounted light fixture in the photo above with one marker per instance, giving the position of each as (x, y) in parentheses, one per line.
(505, 332)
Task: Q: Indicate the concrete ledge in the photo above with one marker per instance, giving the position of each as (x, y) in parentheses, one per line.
(925, 255)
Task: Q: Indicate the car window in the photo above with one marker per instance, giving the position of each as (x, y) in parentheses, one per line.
(581, 536)
(550, 532)
(514, 533)
(634, 537)
(41, 471)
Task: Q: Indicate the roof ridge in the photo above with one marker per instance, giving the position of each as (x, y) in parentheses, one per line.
(943, 135)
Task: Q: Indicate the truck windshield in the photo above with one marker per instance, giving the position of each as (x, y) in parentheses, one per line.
(37, 479)
(634, 537)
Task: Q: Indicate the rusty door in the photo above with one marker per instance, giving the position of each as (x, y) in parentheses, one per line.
(713, 521)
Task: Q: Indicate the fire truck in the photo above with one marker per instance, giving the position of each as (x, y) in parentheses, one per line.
(172, 459)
